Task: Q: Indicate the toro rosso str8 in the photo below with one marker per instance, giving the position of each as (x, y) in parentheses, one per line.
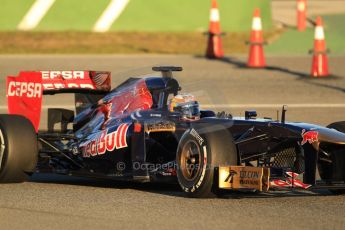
(145, 130)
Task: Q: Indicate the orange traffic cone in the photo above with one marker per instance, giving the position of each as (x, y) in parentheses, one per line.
(256, 54)
(320, 60)
(214, 45)
(301, 15)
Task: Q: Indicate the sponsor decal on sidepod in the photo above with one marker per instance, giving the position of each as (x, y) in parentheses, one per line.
(106, 142)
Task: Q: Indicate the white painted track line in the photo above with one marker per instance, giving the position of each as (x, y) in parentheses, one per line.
(33, 17)
(110, 14)
(239, 106)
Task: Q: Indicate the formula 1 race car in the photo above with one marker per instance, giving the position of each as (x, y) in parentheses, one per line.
(145, 130)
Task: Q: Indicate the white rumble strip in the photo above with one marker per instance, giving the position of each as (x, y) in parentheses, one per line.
(33, 17)
(110, 14)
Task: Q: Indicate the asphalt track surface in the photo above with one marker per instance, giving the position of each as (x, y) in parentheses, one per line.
(60, 202)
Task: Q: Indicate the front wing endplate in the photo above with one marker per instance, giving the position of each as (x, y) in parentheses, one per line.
(244, 177)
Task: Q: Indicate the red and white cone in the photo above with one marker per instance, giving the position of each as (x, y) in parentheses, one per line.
(214, 45)
(256, 53)
(320, 60)
(301, 15)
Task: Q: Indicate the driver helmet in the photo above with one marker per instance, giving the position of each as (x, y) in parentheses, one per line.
(186, 105)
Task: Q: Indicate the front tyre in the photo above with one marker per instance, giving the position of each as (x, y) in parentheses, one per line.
(18, 148)
(334, 169)
(200, 152)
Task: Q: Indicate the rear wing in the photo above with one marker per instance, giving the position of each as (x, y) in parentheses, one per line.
(24, 92)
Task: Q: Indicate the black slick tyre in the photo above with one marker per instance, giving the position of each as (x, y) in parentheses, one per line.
(335, 171)
(201, 150)
(18, 148)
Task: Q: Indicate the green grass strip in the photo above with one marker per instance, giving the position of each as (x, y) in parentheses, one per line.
(80, 15)
(189, 15)
(294, 42)
(12, 12)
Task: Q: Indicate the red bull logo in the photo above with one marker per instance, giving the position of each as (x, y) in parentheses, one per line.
(106, 142)
(309, 136)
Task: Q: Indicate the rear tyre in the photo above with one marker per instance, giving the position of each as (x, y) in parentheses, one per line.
(200, 152)
(335, 171)
(18, 148)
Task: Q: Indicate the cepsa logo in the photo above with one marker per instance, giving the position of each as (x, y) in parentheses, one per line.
(67, 75)
(106, 142)
(66, 79)
(24, 89)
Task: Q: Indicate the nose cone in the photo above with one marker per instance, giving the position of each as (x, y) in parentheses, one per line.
(331, 136)
(316, 133)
